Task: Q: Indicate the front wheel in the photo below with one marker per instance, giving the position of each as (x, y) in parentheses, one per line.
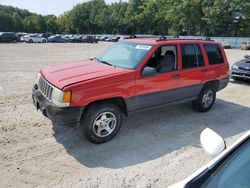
(205, 99)
(101, 122)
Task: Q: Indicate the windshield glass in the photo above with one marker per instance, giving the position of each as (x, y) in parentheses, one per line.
(234, 172)
(125, 54)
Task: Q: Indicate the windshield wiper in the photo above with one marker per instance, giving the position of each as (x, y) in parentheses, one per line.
(104, 62)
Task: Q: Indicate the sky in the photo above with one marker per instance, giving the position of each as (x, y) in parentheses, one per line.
(44, 7)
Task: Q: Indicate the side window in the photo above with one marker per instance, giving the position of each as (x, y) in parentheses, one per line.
(191, 56)
(164, 59)
(199, 55)
(214, 54)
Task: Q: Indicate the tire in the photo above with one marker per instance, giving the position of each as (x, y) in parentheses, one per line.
(14, 41)
(106, 117)
(30, 41)
(44, 41)
(205, 99)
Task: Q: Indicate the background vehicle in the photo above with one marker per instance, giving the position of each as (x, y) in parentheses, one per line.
(75, 39)
(45, 35)
(115, 39)
(19, 35)
(33, 38)
(229, 168)
(108, 39)
(57, 38)
(241, 69)
(103, 38)
(132, 75)
(245, 46)
(8, 37)
(226, 45)
(89, 39)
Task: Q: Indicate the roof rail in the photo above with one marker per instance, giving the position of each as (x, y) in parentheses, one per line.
(164, 38)
(141, 36)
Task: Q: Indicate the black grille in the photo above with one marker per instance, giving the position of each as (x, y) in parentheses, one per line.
(45, 87)
(241, 74)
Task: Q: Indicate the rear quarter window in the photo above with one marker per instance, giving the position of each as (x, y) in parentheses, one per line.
(214, 54)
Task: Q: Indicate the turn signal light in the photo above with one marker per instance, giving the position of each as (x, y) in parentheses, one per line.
(67, 96)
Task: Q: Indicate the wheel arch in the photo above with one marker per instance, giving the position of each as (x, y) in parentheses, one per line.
(118, 101)
(212, 83)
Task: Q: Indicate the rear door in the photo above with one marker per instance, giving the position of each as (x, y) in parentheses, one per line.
(193, 69)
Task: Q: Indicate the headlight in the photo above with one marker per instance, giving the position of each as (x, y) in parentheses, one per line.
(60, 98)
(235, 67)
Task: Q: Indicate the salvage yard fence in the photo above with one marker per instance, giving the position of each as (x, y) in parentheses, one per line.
(234, 42)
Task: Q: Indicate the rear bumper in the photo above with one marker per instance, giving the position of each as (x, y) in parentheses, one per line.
(223, 83)
(240, 74)
(63, 116)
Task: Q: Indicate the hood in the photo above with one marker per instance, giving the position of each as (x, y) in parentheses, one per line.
(67, 74)
(243, 63)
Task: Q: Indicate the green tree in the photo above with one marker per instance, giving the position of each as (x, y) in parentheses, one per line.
(169, 17)
(51, 23)
(6, 22)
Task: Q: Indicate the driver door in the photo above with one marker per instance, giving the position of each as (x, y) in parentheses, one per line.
(160, 88)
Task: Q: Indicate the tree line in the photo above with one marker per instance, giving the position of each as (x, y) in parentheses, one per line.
(168, 17)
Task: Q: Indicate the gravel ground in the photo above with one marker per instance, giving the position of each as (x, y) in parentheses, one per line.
(154, 148)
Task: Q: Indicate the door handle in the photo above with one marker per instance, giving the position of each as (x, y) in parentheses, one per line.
(176, 76)
(204, 70)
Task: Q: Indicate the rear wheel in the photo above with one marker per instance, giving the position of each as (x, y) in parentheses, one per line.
(101, 122)
(205, 99)
(44, 41)
(30, 41)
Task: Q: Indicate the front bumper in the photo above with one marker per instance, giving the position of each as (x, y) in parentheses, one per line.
(240, 74)
(69, 116)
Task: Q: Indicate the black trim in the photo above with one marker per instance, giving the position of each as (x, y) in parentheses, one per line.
(69, 116)
(156, 99)
(162, 105)
(223, 83)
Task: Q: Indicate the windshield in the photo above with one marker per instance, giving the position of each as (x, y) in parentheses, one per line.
(234, 172)
(125, 54)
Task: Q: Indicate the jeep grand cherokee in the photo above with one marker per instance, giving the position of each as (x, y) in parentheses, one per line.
(130, 76)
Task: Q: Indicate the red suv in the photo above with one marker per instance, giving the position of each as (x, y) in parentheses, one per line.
(130, 76)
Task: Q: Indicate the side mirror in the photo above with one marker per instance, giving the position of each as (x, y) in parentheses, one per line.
(211, 142)
(149, 71)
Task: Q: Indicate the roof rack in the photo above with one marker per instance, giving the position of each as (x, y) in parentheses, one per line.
(164, 38)
(141, 36)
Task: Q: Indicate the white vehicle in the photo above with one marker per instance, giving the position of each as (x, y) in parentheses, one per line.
(229, 169)
(33, 38)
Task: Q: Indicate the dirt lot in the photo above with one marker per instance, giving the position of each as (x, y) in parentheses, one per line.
(155, 148)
